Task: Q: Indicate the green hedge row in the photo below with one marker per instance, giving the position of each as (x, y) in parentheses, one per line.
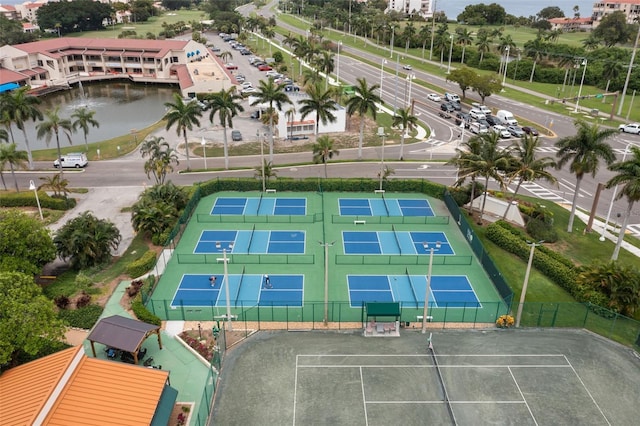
(28, 199)
(84, 317)
(142, 265)
(142, 313)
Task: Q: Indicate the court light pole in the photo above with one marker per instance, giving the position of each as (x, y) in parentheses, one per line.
(32, 187)
(425, 311)
(226, 288)
(204, 151)
(264, 183)
(615, 192)
(326, 279)
(523, 295)
(382, 135)
(584, 71)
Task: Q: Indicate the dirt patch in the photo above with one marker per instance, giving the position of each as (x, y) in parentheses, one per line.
(180, 414)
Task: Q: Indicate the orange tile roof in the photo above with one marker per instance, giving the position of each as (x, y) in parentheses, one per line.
(97, 392)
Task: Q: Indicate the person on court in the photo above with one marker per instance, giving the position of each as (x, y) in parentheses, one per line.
(212, 280)
(267, 282)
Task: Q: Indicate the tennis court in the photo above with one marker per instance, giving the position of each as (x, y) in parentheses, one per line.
(244, 290)
(448, 291)
(260, 206)
(384, 207)
(513, 377)
(395, 242)
(251, 241)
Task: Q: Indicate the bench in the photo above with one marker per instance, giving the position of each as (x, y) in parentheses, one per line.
(359, 222)
(419, 318)
(270, 191)
(379, 191)
(221, 259)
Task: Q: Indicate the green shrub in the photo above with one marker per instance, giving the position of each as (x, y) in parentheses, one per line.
(49, 347)
(28, 199)
(142, 313)
(540, 230)
(84, 318)
(83, 281)
(143, 265)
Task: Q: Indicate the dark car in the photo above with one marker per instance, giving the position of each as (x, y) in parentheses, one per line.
(255, 115)
(516, 131)
(462, 117)
(484, 122)
(291, 88)
(444, 114)
(236, 135)
(447, 107)
(530, 130)
(245, 52)
(456, 106)
(493, 120)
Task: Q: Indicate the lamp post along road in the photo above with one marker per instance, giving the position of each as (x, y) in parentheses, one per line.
(523, 295)
(204, 152)
(506, 62)
(433, 29)
(326, 279)
(584, 71)
(32, 187)
(338, 62)
(393, 36)
(613, 198)
(410, 77)
(450, 52)
(626, 81)
(425, 311)
(384, 61)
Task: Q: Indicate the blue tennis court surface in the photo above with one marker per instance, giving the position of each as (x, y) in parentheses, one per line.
(395, 242)
(251, 242)
(450, 291)
(244, 290)
(259, 206)
(384, 207)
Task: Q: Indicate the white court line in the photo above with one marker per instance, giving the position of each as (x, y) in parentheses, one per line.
(588, 393)
(419, 355)
(522, 396)
(295, 391)
(364, 399)
(432, 366)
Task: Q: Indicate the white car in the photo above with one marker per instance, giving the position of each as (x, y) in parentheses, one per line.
(246, 85)
(502, 131)
(633, 128)
(434, 97)
(452, 97)
(407, 67)
(248, 90)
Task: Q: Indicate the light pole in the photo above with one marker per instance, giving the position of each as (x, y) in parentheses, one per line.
(382, 135)
(506, 62)
(350, 16)
(410, 79)
(226, 288)
(626, 81)
(433, 28)
(425, 311)
(523, 295)
(450, 52)
(584, 71)
(393, 36)
(33, 188)
(204, 151)
(615, 192)
(326, 279)
(338, 63)
(384, 61)
(264, 184)
(395, 97)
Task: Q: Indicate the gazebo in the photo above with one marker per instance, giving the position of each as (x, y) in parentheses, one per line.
(374, 311)
(122, 333)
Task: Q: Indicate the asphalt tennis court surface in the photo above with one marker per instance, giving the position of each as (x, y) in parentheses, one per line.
(506, 377)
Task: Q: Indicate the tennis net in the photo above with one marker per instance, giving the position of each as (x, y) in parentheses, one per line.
(259, 203)
(384, 201)
(253, 231)
(395, 235)
(445, 395)
(239, 287)
(413, 286)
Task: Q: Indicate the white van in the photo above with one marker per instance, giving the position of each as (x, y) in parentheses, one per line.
(477, 114)
(72, 159)
(506, 117)
(478, 128)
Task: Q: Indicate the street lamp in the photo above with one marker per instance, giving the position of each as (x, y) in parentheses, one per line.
(426, 294)
(384, 61)
(410, 78)
(506, 62)
(393, 36)
(264, 183)
(584, 71)
(33, 188)
(338, 63)
(226, 288)
(626, 81)
(615, 192)
(523, 295)
(326, 279)
(204, 151)
(450, 52)
(382, 135)
(433, 27)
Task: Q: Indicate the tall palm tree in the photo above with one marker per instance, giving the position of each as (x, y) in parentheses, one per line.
(226, 103)
(184, 115)
(225, 56)
(483, 44)
(325, 63)
(464, 38)
(272, 94)
(535, 49)
(584, 151)
(161, 158)
(52, 125)
(269, 171)
(407, 34)
(22, 107)
(629, 176)
(525, 166)
(425, 35)
(4, 136)
(363, 101)
(407, 121)
(323, 151)
(321, 103)
(83, 118)
(10, 155)
(290, 114)
(464, 160)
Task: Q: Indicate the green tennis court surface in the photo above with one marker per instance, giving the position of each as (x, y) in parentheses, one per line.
(530, 377)
(283, 235)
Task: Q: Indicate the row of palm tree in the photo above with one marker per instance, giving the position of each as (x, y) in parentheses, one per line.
(481, 157)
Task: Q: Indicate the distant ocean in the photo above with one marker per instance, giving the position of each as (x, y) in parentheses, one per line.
(514, 7)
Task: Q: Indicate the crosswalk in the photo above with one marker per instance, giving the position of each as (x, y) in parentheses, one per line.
(553, 149)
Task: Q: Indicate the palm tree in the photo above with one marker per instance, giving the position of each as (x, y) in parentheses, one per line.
(269, 171)
(4, 136)
(483, 44)
(535, 49)
(325, 63)
(21, 107)
(425, 35)
(184, 115)
(323, 151)
(321, 103)
(271, 93)
(620, 283)
(463, 38)
(84, 118)
(290, 114)
(525, 167)
(226, 103)
(591, 42)
(464, 161)
(161, 157)
(10, 155)
(584, 150)
(407, 121)
(53, 125)
(363, 101)
(629, 175)
(225, 56)
(56, 184)
(407, 34)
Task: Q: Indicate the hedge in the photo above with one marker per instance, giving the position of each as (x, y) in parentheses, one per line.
(85, 317)
(28, 199)
(142, 313)
(143, 265)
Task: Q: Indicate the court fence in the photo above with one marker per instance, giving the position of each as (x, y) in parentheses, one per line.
(209, 218)
(351, 259)
(394, 220)
(201, 416)
(246, 259)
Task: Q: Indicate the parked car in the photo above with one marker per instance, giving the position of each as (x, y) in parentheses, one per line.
(248, 90)
(447, 107)
(236, 135)
(407, 67)
(273, 73)
(444, 114)
(516, 131)
(478, 128)
(246, 85)
(476, 114)
(493, 120)
(462, 117)
(291, 88)
(245, 52)
(485, 109)
(255, 115)
(633, 128)
(530, 130)
(434, 97)
(507, 117)
(264, 67)
(451, 97)
(502, 131)
(231, 66)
